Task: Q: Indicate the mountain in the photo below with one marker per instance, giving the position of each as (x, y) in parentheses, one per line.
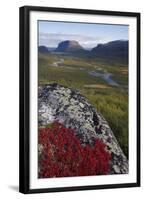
(117, 48)
(43, 49)
(69, 46)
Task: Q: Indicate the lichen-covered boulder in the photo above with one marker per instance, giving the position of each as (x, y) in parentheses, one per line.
(69, 107)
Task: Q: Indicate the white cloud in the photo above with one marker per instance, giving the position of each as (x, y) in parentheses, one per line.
(52, 39)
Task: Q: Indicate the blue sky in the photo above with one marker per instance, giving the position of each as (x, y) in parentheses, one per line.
(88, 35)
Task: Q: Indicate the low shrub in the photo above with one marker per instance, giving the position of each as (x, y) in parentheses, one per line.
(62, 154)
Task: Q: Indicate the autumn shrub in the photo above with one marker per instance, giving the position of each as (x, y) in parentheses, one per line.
(62, 155)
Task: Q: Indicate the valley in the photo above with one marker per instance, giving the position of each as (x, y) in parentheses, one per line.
(104, 82)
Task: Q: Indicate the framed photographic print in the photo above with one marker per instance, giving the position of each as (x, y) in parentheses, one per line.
(79, 99)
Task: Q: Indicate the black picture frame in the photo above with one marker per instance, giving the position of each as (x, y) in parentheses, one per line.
(24, 139)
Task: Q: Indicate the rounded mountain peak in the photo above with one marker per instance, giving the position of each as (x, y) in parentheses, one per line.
(68, 45)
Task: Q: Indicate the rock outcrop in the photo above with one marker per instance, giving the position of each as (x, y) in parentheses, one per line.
(70, 108)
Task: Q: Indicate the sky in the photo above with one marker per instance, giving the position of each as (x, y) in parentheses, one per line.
(88, 35)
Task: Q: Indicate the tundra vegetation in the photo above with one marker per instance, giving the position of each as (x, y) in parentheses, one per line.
(75, 71)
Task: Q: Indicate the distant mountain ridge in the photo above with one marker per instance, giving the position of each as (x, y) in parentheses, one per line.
(117, 48)
(43, 49)
(113, 49)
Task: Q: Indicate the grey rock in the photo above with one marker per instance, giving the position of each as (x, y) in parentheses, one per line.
(69, 107)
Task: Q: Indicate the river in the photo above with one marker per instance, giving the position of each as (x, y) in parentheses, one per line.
(105, 76)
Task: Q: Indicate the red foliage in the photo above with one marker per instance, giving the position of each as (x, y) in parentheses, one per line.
(62, 155)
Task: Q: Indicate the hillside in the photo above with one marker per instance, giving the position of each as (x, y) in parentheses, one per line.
(43, 49)
(118, 48)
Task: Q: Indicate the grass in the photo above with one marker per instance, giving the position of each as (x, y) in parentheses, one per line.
(110, 101)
